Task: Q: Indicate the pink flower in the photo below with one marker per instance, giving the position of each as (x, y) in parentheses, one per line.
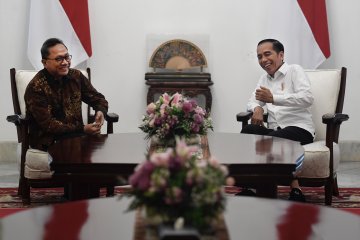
(183, 150)
(202, 164)
(195, 127)
(193, 103)
(151, 108)
(157, 121)
(214, 162)
(163, 109)
(198, 118)
(200, 110)
(166, 98)
(187, 107)
(141, 177)
(175, 163)
(161, 159)
(152, 120)
(176, 100)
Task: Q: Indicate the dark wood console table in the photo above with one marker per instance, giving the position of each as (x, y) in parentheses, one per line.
(190, 84)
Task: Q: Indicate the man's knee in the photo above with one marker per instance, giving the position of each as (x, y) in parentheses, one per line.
(254, 129)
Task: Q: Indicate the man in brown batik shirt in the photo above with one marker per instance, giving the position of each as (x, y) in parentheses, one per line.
(54, 97)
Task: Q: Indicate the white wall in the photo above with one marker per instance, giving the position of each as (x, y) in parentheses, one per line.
(119, 29)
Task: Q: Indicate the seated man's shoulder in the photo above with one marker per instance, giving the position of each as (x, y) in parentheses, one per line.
(38, 80)
(75, 73)
(296, 67)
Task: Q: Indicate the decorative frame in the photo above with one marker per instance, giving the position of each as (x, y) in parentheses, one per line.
(177, 54)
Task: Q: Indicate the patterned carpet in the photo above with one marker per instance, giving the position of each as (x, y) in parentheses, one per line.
(349, 197)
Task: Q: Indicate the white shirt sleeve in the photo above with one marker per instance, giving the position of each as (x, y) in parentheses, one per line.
(253, 103)
(297, 92)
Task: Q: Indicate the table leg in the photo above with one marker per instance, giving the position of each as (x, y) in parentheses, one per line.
(79, 191)
(268, 190)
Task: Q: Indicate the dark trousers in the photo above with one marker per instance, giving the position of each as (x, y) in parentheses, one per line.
(291, 132)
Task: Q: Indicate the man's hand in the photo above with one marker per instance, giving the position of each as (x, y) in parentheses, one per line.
(95, 128)
(92, 128)
(264, 94)
(99, 118)
(258, 116)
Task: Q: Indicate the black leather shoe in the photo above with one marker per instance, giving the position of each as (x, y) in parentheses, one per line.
(296, 195)
(246, 192)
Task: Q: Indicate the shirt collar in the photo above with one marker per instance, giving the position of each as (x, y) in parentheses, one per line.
(50, 78)
(281, 71)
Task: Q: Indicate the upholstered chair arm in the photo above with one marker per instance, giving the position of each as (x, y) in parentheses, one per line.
(18, 120)
(22, 125)
(333, 122)
(244, 117)
(334, 118)
(111, 118)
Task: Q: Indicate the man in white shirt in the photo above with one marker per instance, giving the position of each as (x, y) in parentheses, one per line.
(285, 92)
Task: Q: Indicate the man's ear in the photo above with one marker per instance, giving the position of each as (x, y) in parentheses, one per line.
(43, 61)
(281, 55)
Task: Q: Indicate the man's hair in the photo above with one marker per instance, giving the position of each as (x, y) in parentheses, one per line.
(277, 46)
(48, 44)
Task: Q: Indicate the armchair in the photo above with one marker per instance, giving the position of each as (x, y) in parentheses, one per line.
(34, 168)
(322, 156)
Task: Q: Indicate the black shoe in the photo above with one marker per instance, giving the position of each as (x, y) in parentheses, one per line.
(246, 192)
(296, 195)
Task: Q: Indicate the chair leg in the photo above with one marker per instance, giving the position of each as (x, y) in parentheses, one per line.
(335, 187)
(328, 192)
(25, 194)
(110, 190)
(21, 186)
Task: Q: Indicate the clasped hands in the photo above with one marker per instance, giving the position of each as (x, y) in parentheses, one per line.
(95, 127)
(262, 94)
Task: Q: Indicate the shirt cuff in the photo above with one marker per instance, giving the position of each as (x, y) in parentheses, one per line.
(277, 99)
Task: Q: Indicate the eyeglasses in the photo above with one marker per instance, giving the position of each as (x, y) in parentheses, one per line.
(61, 59)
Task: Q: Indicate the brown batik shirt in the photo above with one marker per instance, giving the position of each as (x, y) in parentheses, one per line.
(54, 106)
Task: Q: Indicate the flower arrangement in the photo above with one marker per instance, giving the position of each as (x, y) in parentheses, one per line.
(175, 115)
(176, 183)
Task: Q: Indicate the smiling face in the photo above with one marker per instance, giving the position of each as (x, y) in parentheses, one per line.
(53, 64)
(268, 58)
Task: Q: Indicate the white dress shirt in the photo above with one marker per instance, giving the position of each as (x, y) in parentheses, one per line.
(292, 97)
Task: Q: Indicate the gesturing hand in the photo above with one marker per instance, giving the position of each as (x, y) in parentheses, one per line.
(264, 94)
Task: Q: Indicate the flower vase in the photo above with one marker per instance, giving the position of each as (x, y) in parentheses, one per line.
(163, 142)
(193, 139)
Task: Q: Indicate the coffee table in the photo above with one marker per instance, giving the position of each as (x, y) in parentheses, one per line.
(245, 218)
(258, 161)
(261, 162)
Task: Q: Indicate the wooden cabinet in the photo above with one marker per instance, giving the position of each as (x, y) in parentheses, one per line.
(193, 85)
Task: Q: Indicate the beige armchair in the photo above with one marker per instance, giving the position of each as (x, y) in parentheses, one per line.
(322, 156)
(34, 164)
